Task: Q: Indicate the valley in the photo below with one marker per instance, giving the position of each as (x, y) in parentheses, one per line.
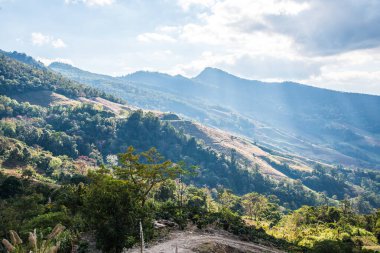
(329, 126)
(71, 145)
(189, 126)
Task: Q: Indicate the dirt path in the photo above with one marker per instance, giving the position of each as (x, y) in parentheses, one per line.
(190, 242)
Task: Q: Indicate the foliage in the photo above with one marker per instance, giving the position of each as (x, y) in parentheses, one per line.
(112, 212)
(318, 227)
(145, 171)
(69, 131)
(339, 121)
(17, 77)
(54, 157)
(50, 243)
(90, 131)
(111, 207)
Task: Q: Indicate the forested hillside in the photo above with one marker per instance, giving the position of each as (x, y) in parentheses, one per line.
(336, 127)
(87, 130)
(18, 77)
(60, 164)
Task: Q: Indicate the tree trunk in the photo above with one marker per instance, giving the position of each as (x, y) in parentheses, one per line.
(141, 238)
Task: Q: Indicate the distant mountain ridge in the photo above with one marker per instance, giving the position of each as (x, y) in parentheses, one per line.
(22, 57)
(331, 126)
(59, 141)
(72, 119)
(42, 108)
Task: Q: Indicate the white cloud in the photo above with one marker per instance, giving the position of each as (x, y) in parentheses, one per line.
(237, 20)
(232, 35)
(155, 37)
(256, 39)
(356, 71)
(99, 2)
(168, 29)
(58, 43)
(186, 4)
(238, 36)
(91, 2)
(252, 66)
(47, 61)
(40, 39)
(332, 27)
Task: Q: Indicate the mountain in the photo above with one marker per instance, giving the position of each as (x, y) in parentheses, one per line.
(66, 118)
(348, 123)
(58, 145)
(22, 57)
(325, 125)
(292, 103)
(73, 112)
(19, 78)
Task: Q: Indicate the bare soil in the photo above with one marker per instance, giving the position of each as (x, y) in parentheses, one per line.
(201, 242)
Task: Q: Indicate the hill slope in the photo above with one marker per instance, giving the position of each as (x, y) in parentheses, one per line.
(69, 119)
(95, 127)
(330, 126)
(55, 130)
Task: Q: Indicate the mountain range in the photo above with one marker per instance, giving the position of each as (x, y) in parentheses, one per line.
(324, 125)
(245, 135)
(277, 163)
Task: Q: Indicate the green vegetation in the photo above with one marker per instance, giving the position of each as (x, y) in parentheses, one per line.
(17, 77)
(97, 173)
(315, 122)
(87, 134)
(114, 199)
(51, 243)
(338, 183)
(312, 226)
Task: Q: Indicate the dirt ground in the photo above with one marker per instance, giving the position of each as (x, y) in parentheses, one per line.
(190, 242)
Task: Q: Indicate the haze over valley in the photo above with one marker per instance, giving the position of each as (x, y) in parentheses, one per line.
(189, 126)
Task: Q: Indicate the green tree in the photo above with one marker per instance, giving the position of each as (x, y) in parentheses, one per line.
(111, 209)
(377, 226)
(28, 173)
(254, 205)
(146, 171)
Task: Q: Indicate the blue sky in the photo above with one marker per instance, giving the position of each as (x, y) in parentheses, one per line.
(326, 43)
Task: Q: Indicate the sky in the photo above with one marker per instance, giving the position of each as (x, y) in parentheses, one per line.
(333, 44)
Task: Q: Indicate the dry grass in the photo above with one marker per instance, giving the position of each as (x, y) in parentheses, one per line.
(374, 248)
(222, 142)
(44, 98)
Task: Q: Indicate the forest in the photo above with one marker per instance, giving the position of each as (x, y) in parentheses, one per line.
(76, 170)
(110, 201)
(69, 132)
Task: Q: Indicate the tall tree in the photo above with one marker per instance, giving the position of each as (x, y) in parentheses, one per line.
(146, 171)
